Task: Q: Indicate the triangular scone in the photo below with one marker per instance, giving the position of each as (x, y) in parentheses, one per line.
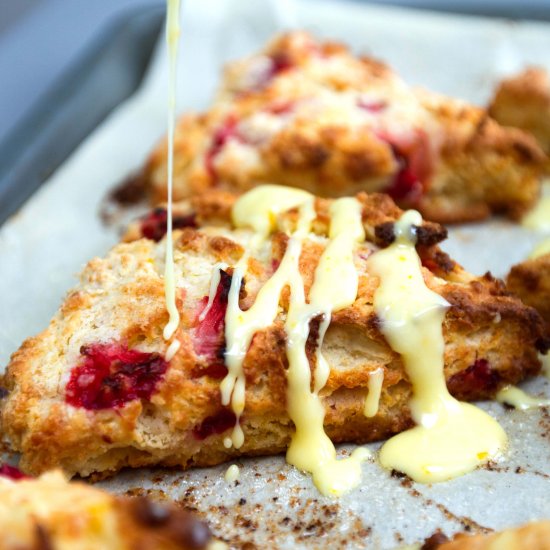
(310, 114)
(48, 512)
(94, 391)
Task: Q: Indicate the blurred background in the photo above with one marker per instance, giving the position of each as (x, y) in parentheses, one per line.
(39, 39)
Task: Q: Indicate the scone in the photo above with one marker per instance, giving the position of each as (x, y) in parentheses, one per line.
(95, 391)
(530, 280)
(523, 101)
(533, 536)
(309, 114)
(48, 512)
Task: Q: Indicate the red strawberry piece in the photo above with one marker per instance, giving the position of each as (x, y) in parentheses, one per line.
(209, 335)
(227, 131)
(373, 106)
(215, 424)
(12, 472)
(154, 225)
(477, 378)
(110, 375)
(415, 167)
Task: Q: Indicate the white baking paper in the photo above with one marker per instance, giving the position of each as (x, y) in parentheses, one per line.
(273, 505)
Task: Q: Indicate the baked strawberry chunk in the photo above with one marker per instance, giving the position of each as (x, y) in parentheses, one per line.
(11, 472)
(280, 107)
(216, 424)
(280, 62)
(415, 168)
(209, 335)
(216, 370)
(155, 224)
(227, 131)
(372, 106)
(405, 186)
(477, 378)
(110, 375)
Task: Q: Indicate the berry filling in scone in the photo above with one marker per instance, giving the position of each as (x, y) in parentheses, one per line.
(479, 378)
(209, 334)
(154, 224)
(110, 375)
(215, 425)
(11, 472)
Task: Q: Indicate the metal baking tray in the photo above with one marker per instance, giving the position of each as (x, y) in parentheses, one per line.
(110, 70)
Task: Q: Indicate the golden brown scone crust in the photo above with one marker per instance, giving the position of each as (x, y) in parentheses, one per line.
(49, 512)
(523, 101)
(490, 339)
(530, 280)
(533, 536)
(310, 114)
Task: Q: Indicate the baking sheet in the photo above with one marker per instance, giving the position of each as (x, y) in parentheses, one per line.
(273, 505)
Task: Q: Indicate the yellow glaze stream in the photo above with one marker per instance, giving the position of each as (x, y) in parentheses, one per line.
(518, 399)
(172, 37)
(451, 438)
(334, 287)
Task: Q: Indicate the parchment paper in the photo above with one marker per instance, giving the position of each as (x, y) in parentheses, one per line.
(273, 505)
